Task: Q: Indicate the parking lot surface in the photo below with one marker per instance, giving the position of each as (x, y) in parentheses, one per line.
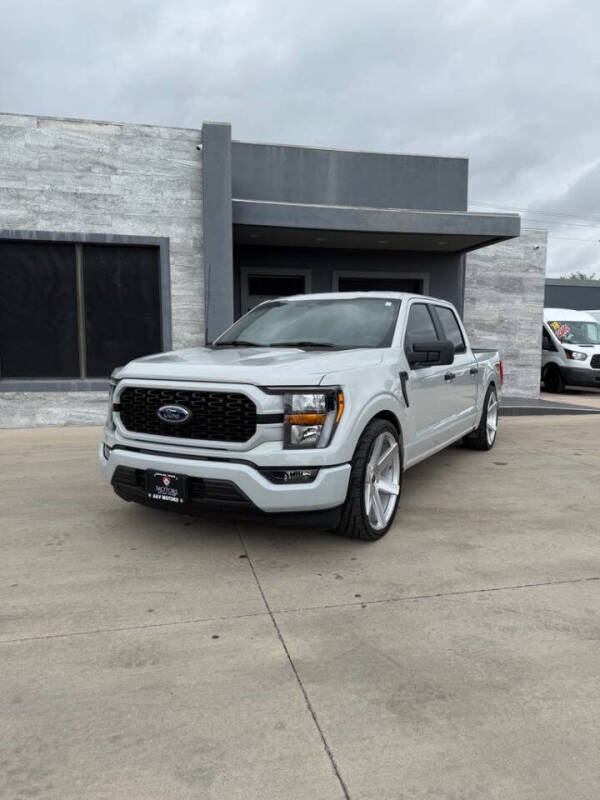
(145, 655)
(576, 396)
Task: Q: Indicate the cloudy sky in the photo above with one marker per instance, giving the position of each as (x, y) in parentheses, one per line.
(513, 85)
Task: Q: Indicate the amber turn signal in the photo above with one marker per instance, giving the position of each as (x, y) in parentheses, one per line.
(306, 419)
(340, 407)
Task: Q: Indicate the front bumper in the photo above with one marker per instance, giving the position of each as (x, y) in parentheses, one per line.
(582, 376)
(327, 490)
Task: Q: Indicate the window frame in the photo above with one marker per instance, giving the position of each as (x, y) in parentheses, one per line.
(93, 384)
(552, 344)
(247, 272)
(417, 301)
(442, 330)
(385, 274)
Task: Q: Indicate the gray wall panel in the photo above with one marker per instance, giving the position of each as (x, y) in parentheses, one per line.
(504, 296)
(336, 177)
(218, 244)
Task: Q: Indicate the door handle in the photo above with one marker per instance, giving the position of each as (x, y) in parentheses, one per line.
(403, 380)
(473, 370)
(449, 376)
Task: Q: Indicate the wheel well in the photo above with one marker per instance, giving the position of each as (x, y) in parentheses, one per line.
(389, 417)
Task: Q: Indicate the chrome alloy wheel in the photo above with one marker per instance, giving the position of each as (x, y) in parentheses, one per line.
(491, 423)
(382, 480)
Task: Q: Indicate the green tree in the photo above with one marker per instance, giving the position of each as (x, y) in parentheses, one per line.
(578, 275)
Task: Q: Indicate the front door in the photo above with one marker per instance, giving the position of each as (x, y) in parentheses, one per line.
(426, 387)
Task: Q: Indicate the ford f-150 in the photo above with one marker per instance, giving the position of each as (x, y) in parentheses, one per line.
(311, 405)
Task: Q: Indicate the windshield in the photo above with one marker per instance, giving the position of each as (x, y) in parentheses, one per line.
(576, 331)
(340, 323)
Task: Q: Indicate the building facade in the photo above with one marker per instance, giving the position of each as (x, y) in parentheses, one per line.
(117, 240)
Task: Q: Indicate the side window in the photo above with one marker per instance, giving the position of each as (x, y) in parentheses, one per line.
(547, 343)
(420, 327)
(451, 328)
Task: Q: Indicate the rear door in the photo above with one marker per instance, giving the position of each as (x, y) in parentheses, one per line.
(461, 376)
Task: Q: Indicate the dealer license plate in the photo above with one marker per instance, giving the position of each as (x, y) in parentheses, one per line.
(166, 487)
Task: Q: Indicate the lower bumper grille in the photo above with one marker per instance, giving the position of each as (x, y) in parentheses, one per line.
(202, 491)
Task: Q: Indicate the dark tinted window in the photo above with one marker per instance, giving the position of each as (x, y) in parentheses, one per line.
(122, 305)
(275, 285)
(420, 327)
(547, 343)
(38, 311)
(70, 310)
(450, 327)
(364, 283)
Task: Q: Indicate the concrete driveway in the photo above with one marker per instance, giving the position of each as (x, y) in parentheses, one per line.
(144, 655)
(576, 396)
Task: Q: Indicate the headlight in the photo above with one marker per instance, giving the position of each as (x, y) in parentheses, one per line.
(311, 417)
(109, 416)
(575, 356)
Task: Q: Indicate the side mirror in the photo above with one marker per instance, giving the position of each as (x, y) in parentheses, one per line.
(430, 354)
(548, 346)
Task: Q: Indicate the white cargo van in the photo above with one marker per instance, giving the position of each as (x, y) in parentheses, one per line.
(570, 349)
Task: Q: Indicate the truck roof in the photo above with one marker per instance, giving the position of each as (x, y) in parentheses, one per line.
(355, 295)
(568, 314)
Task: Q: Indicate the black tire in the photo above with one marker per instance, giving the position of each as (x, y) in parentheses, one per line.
(354, 521)
(553, 381)
(478, 440)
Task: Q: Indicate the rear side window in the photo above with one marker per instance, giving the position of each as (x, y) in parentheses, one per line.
(420, 327)
(451, 328)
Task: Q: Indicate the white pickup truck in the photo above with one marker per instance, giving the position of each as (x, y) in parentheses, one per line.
(307, 408)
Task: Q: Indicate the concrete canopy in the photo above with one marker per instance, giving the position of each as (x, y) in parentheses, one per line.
(310, 225)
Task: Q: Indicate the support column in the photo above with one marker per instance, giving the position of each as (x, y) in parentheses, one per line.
(218, 234)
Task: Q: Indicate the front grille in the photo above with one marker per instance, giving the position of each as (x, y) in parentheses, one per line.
(206, 491)
(216, 416)
(595, 362)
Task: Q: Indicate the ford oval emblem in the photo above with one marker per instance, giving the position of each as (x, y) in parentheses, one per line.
(174, 414)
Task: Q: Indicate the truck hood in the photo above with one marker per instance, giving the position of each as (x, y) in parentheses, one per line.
(259, 366)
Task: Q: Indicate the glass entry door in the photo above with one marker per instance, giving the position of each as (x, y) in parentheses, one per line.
(258, 285)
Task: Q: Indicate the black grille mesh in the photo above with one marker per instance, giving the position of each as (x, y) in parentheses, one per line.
(595, 362)
(201, 490)
(216, 416)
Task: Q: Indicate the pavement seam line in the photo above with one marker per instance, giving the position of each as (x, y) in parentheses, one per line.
(296, 673)
(458, 593)
(297, 610)
(132, 628)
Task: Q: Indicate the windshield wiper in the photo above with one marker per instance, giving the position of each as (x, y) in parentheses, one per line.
(238, 343)
(303, 344)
